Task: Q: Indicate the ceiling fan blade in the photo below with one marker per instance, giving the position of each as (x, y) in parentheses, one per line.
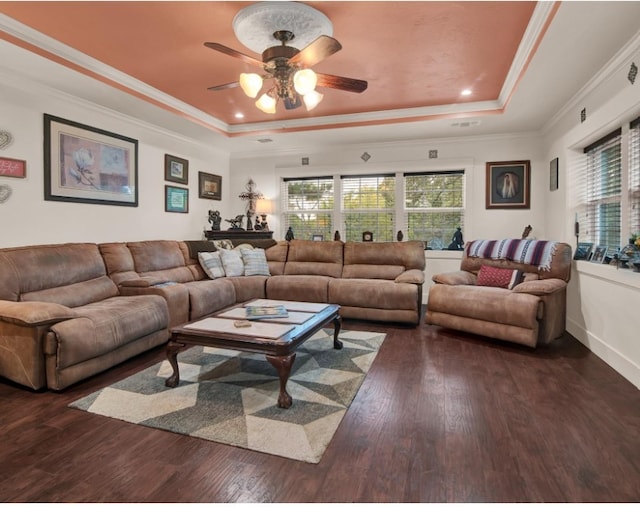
(346, 84)
(217, 88)
(321, 48)
(232, 52)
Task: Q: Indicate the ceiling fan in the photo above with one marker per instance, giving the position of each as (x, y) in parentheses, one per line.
(290, 68)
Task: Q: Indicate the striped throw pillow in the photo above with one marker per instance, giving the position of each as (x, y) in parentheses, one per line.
(232, 262)
(255, 262)
(211, 264)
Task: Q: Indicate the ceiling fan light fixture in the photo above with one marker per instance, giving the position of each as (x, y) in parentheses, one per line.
(312, 99)
(304, 81)
(266, 103)
(250, 84)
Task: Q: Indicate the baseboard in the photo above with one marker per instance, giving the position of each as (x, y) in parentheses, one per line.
(619, 362)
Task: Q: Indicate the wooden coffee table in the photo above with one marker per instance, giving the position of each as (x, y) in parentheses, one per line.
(278, 339)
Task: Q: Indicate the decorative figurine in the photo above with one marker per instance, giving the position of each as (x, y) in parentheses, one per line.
(400, 236)
(236, 223)
(251, 196)
(336, 236)
(289, 235)
(457, 242)
(214, 220)
(526, 231)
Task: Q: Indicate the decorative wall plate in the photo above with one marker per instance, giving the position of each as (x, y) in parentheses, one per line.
(5, 139)
(5, 193)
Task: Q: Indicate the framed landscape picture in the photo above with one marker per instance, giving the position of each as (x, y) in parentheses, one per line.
(176, 199)
(508, 185)
(88, 165)
(176, 169)
(210, 186)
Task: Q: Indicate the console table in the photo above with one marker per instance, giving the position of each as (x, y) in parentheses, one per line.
(238, 234)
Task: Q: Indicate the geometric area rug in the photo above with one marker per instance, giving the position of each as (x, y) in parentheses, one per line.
(230, 397)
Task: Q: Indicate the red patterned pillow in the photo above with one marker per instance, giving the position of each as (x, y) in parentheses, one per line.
(499, 277)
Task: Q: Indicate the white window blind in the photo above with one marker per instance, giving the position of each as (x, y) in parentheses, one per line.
(368, 205)
(434, 206)
(634, 177)
(307, 205)
(600, 212)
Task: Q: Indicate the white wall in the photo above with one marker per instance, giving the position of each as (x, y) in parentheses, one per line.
(603, 302)
(470, 154)
(26, 218)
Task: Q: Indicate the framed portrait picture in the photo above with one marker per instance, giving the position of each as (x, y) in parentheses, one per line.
(599, 254)
(176, 199)
(508, 185)
(88, 165)
(583, 252)
(553, 174)
(176, 169)
(13, 168)
(367, 236)
(209, 186)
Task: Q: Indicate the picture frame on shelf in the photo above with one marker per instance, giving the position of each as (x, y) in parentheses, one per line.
(88, 165)
(176, 169)
(367, 236)
(176, 199)
(508, 185)
(599, 253)
(13, 167)
(317, 237)
(553, 175)
(583, 252)
(209, 186)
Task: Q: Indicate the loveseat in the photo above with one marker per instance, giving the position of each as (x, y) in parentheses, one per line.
(73, 310)
(513, 290)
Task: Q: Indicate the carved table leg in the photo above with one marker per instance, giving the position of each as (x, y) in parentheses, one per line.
(283, 365)
(172, 351)
(337, 324)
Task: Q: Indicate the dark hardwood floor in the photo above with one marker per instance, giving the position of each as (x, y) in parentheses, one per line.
(441, 417)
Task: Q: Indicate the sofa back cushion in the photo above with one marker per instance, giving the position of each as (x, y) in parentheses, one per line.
(308, 257)
(71, 274)
(118, 261)
(277, 257)
(165, 259)
(560, 264)
(382, 260)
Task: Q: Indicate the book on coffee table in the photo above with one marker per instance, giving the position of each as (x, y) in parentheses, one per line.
(266, 312)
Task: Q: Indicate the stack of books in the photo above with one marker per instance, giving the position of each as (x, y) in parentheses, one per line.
(266, 312)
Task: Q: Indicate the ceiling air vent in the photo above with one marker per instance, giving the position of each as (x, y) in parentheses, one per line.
(465, 124)
(265, 140)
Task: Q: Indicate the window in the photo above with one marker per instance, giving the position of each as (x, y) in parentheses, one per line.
(601, 211)
(434, 206)
(308, 206)
(634, 177)
(368, 205)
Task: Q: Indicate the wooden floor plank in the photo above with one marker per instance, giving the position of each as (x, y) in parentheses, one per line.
(441, 417)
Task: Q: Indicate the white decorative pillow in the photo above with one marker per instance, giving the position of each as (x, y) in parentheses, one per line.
(223, 244)
(243, 246)
(232, 262)
(211, 264)
(255, 262)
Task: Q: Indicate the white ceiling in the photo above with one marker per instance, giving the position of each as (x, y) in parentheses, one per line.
(581, 38)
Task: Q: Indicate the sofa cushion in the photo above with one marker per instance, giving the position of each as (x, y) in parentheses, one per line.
(310, 288)
(232, 262)
(223, 244)
(382, 294)
(255, 262)
(211, 264)
(162, 259)
(499, 277)
(322, 258)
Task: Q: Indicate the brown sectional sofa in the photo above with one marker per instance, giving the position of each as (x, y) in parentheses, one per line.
(73, 310)
(532, 313)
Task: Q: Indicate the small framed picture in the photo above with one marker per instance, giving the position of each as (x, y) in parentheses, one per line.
(367, 236)
(13, 167)
(176, 169)
(583, 252)
(209, 186)
(176, 199)
(317, 237)
(508, 185)
(599, 254)
(553, 174)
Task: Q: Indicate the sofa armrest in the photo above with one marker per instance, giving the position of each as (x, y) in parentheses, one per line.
(455, 278)
(144, 281)
(411, 276)
(34, 313)
(541, 287)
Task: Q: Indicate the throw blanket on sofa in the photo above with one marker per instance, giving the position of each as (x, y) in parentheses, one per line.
(526, 251)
